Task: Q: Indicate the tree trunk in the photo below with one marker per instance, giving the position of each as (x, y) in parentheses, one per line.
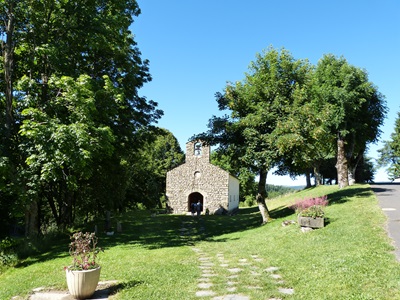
(308, 180)
(261, 195)
(317, 175)
(8, 49)
(31, 220)
(353, 167)
(341, 164)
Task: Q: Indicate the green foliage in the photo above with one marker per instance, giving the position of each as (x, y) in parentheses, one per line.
(357, 110)
(148, 167)
(390, 153)
(76, 112)
(278, 190)
(8, 256)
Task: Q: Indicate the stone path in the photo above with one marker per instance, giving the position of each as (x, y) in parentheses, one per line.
(101, 293)
(231, 272)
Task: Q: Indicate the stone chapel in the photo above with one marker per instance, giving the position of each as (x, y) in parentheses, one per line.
(199, 180)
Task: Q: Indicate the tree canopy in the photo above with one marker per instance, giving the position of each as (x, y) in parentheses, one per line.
(291, 115)
(71, 115)
(390, 153)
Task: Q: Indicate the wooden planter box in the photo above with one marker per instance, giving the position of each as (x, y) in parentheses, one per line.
(311, 222)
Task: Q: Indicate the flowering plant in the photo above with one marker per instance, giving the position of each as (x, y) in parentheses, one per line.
(83, 249)
(311, 207)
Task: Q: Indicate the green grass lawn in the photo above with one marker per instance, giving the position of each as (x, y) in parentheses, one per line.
(158, 257)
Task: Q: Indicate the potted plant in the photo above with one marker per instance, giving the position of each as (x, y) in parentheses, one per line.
(84, 273)
(311, 211)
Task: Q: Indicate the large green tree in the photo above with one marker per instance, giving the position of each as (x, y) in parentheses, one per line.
(303, 138)
(68, 56)
(357, 111)
(389, 154)
(158, 155)
(257, 104)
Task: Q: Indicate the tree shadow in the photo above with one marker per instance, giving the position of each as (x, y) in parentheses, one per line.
(161, 231)
(153, 231)
(114, 289)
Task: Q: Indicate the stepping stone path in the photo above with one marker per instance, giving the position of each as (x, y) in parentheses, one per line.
(213, 268)
(218, 266)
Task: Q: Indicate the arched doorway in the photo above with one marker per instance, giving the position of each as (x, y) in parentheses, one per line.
(194, 198)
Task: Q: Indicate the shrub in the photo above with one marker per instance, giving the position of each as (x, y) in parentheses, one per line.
(249, 201)
(310, 207)
(8, 257)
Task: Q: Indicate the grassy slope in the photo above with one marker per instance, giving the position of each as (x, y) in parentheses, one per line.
(350, 258)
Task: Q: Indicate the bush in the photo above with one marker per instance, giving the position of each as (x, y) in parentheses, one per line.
(310, 207)
(249, 201)
(8, 257)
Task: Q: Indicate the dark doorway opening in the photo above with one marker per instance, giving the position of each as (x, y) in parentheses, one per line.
(195, 198)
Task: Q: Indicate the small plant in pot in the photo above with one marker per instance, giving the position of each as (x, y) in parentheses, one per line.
(84, 273)
(311, 211)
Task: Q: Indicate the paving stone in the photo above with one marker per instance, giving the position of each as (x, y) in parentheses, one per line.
(204, 279)
(204, 258)
(276, 276)
(208, 275)
(51, 296)
(231, 283)
(205, 267)
(254, 287)
(231, 289)
(224, 265)
(243, 259)
(235, 270)
(205, 293)
(272, 269)
(287, 291)
(232, 297)
(205, 285)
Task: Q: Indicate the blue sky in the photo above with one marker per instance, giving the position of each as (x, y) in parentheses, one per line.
(195, 47)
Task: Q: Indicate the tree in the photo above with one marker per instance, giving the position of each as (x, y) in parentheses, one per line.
(225, 159)
(303, 138)
(257, 104)
(149, 166)
(389, 155)
(63, 43)
(358, 110)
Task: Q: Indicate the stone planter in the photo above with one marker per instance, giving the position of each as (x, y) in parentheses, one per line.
(311, 222)
(82, 284)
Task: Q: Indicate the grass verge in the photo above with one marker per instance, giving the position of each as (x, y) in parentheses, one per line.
(159, 257)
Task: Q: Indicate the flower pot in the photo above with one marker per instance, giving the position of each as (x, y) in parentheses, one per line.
(82, 284)
(311, 222)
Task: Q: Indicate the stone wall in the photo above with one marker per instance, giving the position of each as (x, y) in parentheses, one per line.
(199, 175)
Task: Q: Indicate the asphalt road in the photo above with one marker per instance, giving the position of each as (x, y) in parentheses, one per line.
(388, 195)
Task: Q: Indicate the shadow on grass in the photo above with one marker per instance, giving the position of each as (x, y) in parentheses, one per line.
(343, 195)
(162, 231)
(141, 228)
(42, 250)
(114, 289)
